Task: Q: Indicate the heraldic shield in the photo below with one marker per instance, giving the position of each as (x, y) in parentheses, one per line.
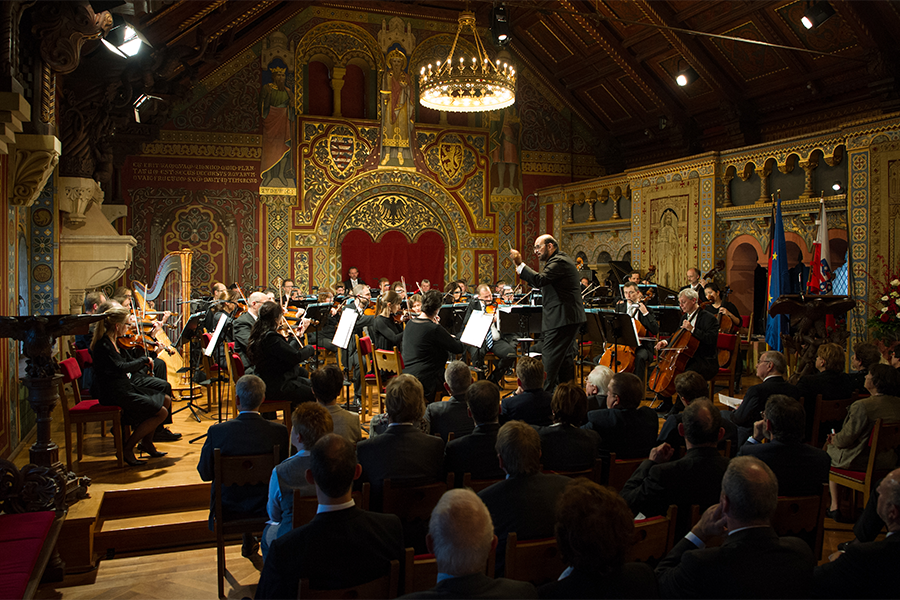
(341, 148)
(451, 156)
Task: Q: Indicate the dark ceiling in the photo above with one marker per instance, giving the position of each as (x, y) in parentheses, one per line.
(613, 62)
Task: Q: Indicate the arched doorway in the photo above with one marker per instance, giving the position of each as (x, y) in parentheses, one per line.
(394, 256)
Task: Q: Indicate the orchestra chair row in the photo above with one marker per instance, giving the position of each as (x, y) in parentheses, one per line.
(83, 412)
(827, 411)
(884, 437)
(420, 571)
(236, 371)
(728, 374)
(85, 360)
(372, 364)
(237, 470)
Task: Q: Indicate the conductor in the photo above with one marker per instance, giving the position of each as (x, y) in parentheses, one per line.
(563, 310)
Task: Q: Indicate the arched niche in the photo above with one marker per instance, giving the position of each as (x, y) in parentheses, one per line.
(355, 91)
(319, 97)
(743, 256)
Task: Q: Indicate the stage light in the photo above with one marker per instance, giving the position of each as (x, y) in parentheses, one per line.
(141, 101)
(123, 39)
(816, 14)
(686, 77)
(500, 25)
(837, 187)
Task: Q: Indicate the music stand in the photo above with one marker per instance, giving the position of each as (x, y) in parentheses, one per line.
(619, 330)
(319, 313)
(189, 333)
(519, 319)
(592, 330)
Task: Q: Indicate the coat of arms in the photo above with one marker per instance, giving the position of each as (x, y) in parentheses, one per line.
(451, 157)
(341, 148)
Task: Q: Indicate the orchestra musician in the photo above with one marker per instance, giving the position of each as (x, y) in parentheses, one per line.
(426, 345)
(719, 307)
(339, 289)
(399, 289)
(290, 292)
(361, 298)
(277, 360)
(454, 294)
(243, 324)
(322, 335)
(634, 307)
(493, 341)
(386, 331)
(415, 304)
(634, 277)
(694, 281)
(353, 279)
(424, 286)
(563, 309)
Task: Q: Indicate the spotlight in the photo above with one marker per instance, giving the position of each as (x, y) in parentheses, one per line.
(837, 187)
(123, 39)
(500, 25)
(144, 98)
(686, 77)
(816, 14)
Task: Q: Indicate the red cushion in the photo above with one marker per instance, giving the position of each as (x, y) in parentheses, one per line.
(20, 546)
(365, 344)
(649, 520)
(423, 557)
(69, 370)
(92, 406)
(859, 476)
(238, 366)
(84, 358)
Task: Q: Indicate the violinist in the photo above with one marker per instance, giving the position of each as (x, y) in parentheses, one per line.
(322, 335)
(719, 307)
(426, 345)
(424, 286)
(634, 307)
(386, 331)
(243, 324)
(361, 297)
(290, 292)
(339, 289)
(277, 360)
(493, 342)
(384, 284)
(694, 281)
(415, 305)
(454, 294)
(400, 289)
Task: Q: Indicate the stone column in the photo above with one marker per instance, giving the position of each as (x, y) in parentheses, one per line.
(337, 84)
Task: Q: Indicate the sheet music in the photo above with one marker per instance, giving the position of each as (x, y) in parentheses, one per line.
(477, 328)
(345, 328)
(220, 325)
(729, 401)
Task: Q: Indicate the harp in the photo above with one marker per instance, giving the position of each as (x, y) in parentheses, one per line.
(171, 291)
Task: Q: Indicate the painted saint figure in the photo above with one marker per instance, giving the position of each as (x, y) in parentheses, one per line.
(277, 110)
(667, 247)
(505, 150)
(397, 109)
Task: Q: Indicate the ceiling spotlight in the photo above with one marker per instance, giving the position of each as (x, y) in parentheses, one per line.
(500, 25)
(816, 14)
(836, 186)
(686, 77)
(123, 39)
(141, 101)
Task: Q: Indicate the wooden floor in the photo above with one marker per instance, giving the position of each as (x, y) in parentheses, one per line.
(181, 572)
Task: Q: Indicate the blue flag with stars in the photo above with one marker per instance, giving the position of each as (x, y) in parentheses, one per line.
(778, 280)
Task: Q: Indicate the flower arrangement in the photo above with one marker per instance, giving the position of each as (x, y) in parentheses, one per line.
(884, 324)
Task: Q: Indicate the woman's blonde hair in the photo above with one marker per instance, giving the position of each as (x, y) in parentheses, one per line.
(115, 315)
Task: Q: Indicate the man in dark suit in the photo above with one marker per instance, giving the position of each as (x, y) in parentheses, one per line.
(690, 386)
(694, 281)
(770, 368)
(248, 433)
(866, 569)
(694, 479)
(635, 308)
(244, 323)
(830, 381)
(452, 415)
(475, 453)
(366, 542)
(403, 452)
(525, 502)
(353, 279)
(625, 427)
(752, 562)
(801, 469)
(563, 310)
(531, 402)
(502, 346)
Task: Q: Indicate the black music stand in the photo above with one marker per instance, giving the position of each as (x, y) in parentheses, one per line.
(522, 319)
(319, 313)
(592, 331)
(189, 333)
(618, 329)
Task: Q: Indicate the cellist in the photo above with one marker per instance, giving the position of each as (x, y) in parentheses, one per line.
(702, 326)
(634, 306)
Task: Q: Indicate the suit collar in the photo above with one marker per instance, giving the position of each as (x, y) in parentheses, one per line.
(487, 428)
(702, 451)
(470, 583)
(750, 534)
(250, 416)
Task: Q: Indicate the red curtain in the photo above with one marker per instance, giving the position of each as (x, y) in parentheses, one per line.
(321, 98)
(394, 256)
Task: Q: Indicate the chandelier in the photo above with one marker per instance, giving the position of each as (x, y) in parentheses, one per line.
(467, 86)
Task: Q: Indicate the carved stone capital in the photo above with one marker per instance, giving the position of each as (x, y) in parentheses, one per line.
(14, 110)
(36, 157)
(76, 196)
(63, 28)
(506, 205)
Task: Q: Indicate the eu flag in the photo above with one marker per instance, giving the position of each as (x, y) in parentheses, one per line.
(778, 280)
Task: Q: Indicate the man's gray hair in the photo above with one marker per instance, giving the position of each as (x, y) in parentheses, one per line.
(891, 485)
(751, 488)
(688, 293)
(461, 532)
(250, 391)
(458, 377)
(600, 377)
(779, 363)
(359, 289)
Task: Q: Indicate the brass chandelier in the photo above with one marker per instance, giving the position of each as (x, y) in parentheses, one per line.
(475, 85)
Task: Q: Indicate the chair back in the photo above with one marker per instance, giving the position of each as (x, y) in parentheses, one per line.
(537, 561)
(595, 473)
(248, 469)
(388, 361)
(803, 517)
(476, 485)
(84, 358)
(885, 437)
(305, 507)
(617, 472)
(413, 503)
(829, 410)
(383, 587)
(653, 537)
(70, 370)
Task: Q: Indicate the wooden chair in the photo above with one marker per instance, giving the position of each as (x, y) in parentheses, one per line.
(727, 374)
(217, 375)
(803, 517)
(617, 472)
(237, 470)
(305, 507)
(236, 369)
(413, 503)
(85, 411)
(537, 561)
(421, 570)
(595, 473)
(476, 485)
(383, 587)
(746, 335)
(828, 410)
(884, 437)
(386, 361)
(368, 375)
(653, 537)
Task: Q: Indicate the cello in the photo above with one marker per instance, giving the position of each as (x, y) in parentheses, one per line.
(624, 354)
(678, 352)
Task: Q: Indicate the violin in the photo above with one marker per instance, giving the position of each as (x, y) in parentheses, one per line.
(132, 341)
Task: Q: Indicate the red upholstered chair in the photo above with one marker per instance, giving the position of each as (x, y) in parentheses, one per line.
(369, 376)
(885, 436)
(236, 370)
(84, 411)
(729, 374)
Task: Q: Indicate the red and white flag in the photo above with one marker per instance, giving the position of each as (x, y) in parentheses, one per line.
(819, 269)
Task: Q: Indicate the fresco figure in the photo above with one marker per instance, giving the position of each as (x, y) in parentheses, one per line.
(505, 150)
(667, 248)
(397, 93)
(277, 109)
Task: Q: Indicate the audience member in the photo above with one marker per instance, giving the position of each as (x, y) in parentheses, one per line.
(342, 546)
(475, 453)
(530, 403)
(524, 502)
(461, 537)
(327, 383)
(830, 381)
(594, 532)
(752, 562)
(801, 469)
(689, 386)
(403, 452)
(309, 422)
(694, 479)
(596, 385)
(625, 427)
(865, 354)
(248, 433)
(893, 357)
(771, 369)
(452, 415)
(564, 445)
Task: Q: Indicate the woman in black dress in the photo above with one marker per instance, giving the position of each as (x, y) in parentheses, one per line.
(426, 346)
(141, 409)
(277, 360)
(719, 307)
(387, 333)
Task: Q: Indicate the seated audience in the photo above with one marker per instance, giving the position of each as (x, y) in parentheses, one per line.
(594, 532)
(342, 546)
(595, 386)
(327, 383)
(403, 452)
(475, 453)
(849, 448)
(461, 537)
(771, 369)
(694, 479)
(309, 422)
(248, 433)
(524, 502)
(452, 415)
(564, 445)
(625, 427)
(865, 354)
(801, 469)
(530, 403)
(893, 357)
(690, 386)
(830, 381)
(752, 562)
